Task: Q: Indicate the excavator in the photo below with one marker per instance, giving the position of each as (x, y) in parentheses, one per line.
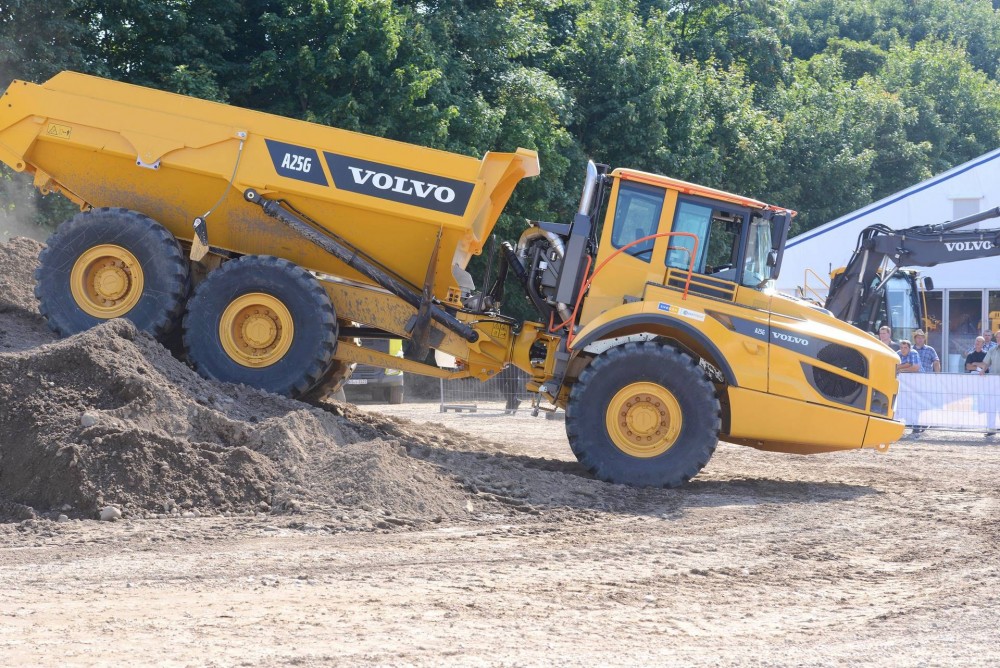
(877, 287)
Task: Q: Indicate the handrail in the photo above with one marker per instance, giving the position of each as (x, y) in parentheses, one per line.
(806, 289)
(587, 282)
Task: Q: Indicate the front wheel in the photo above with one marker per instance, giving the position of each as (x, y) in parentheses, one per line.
(264, 322)
(643, 414)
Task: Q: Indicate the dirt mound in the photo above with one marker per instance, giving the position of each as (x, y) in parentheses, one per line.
(110, 417)
(21, 326)
(18, 259)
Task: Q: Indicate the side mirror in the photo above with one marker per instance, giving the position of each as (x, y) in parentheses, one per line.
(780, 224)
(928, 283)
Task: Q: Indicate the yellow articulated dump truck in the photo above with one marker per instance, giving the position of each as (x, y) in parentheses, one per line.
(277, 245)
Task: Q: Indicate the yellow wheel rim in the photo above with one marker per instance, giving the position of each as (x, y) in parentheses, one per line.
(106, 281)
(644, 420)
(256, 330)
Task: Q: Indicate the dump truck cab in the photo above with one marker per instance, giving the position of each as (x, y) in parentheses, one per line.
(665, 229)
(684, 269)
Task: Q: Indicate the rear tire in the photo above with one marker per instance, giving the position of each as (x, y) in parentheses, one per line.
(111, 263)
(264, 322)
(643, 414)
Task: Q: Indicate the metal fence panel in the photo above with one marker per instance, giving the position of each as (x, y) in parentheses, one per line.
(949, 400)
(505, 392)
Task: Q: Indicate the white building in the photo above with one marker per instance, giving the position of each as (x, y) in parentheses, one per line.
(966, 295)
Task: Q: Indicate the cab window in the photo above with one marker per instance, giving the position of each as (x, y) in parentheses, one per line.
(691, 218)
(732, 244)
(637, 215)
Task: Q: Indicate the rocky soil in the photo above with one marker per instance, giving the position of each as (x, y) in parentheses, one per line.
(250, 529)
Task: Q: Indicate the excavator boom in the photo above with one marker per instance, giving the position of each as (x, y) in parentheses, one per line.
(854, 292)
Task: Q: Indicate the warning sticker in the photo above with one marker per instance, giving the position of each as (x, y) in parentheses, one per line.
(58, 131)
(683, 312)
(694, 315)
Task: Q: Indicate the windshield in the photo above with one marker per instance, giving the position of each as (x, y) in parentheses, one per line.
(903, 315)
(755, 268)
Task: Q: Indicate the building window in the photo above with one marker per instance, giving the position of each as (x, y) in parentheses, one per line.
(965, 311)
(964, 206)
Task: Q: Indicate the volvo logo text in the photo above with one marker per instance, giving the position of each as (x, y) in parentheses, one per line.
(788, 338)
(968, 245)
(399, 184)
(402, 185)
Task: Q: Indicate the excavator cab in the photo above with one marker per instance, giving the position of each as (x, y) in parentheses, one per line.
(901, 309)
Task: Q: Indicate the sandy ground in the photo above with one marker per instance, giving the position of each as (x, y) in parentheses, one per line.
(764, 560)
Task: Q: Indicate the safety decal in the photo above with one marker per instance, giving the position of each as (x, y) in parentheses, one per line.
(296, 162)
(694, 315)
(683, 312)
(396, 184)
(59, 131)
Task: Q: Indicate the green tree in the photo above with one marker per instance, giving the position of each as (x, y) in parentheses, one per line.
(39, 39)
(748, 33)
(845, 143)
(957, 108)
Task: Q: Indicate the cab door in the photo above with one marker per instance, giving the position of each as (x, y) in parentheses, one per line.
(636, 210)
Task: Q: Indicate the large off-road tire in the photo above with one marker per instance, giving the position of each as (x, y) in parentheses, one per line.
(261, 321)
(643, 414)
(111, 263)
(331, 383)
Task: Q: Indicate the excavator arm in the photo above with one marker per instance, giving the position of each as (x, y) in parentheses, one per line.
(855, 291)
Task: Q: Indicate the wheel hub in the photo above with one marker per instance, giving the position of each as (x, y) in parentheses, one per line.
(644, 419)
(259, 329)
(256, 330)
(106, 281)
(111, 282)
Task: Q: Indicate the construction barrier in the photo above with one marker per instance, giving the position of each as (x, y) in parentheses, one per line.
(504, 393)
(959, 401)
(949, 400)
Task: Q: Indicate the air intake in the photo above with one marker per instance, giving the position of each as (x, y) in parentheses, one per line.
(833, 385)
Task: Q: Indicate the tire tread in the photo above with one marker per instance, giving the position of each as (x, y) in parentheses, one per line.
(578, 434)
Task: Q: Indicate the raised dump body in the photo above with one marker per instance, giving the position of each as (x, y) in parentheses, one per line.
(175, 158)
(277, 245)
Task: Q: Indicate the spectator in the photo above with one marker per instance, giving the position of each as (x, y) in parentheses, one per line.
(885, 336)
(990, 343)
(974, 361)
(929, 360)
(909, 360)
(992, 358)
